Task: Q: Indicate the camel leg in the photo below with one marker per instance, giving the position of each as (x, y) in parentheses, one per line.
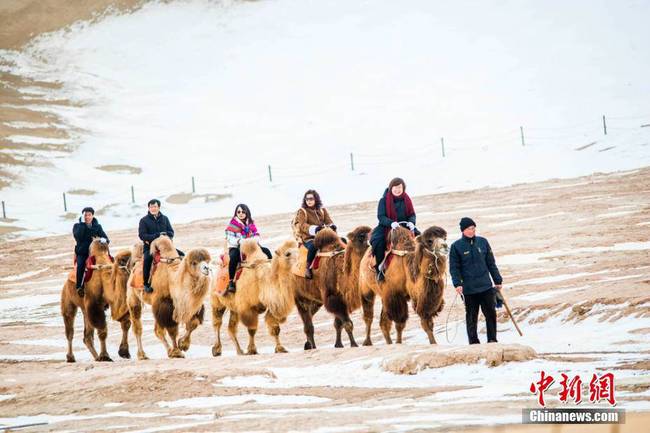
(273, 325)
(305, 309)
(252, 330)
(69, 312)
(160, 333)
(123, 351)
(338, 325)
(186, 339)
(135, 313)
(175, 350)
(349, 327)
(368, 305)
(232, 331)
(386, 325)
(89, 338)
(102, 333)
(399, 327)
(427, 325)
(217, 320)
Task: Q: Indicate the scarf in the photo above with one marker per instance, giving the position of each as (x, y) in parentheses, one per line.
(246, 231)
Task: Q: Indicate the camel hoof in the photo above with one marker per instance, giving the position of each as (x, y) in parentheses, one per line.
(280, 349)
(251, 352)
(216, 350)
(353, 344)
(103, 357)
(184, 344)
(338, 344)
(142, 356)
(309, 346)
(176, 353)
(367, 342)
(124, 352)
(70, 358)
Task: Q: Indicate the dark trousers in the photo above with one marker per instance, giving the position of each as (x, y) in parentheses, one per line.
(378, 244)
(235, 259)
(81, 267)
(146, 269)
(311, 251)
(487, 302)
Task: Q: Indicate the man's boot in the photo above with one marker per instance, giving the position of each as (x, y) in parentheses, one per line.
(308, 272)
(231, 287)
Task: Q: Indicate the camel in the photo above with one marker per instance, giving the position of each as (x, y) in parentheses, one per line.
(106, 287)
(176, 280)
(257, 292)
(417, 272)
(341, 297)
(340, 283)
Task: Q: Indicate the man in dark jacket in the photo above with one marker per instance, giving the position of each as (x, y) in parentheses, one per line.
(84, 231)
(471, 264)
(152, 226)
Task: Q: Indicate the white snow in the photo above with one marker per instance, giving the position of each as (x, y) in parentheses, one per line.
(24, 275)
(267, 399)
(218, 90)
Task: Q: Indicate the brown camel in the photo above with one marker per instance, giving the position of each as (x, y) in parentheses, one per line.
(92, 305)
(257, 292)
(417, 272)
(160, 300)
(340, 285)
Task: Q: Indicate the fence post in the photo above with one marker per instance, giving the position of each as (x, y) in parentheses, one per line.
(442, 144)
(523, 142)
(604, 125)
(351, 161)
(270, 175)
(65, 204)
(4, 213)
(132, 195)
(193, 187)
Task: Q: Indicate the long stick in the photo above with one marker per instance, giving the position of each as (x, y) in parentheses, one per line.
(505, 304)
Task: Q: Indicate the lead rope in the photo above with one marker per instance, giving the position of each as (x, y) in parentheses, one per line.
(453, 304)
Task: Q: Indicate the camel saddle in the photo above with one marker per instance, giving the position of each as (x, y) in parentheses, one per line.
(220, 284)
(138, 277)
(300, 266)
(88, 274)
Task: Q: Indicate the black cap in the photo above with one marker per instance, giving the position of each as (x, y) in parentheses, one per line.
(466, 222)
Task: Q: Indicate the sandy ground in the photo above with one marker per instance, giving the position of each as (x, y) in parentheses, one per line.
(575, 255)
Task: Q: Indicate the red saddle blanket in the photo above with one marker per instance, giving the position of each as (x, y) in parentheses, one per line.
(90, 262)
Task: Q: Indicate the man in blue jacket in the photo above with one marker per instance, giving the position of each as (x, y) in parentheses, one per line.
(471, 264)
(152, 226)
(84, 232)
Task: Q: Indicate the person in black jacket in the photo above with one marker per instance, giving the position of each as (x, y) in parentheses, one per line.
(471, 264)
(394, 207)
(84, 232)
(152, 226)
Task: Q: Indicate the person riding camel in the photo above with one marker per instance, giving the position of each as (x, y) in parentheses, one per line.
(394, 207)
(241, 226)
(84, 232)
(152, 226)
(310, 218)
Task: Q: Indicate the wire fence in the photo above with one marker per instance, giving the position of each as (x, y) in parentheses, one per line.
(578, 135)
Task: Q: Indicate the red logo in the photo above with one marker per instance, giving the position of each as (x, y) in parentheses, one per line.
(600, 388)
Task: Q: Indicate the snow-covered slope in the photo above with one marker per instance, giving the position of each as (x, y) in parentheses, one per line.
(220, 90)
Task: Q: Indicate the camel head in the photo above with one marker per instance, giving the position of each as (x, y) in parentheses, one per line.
(327, 240)
(434, 242)
(250, 249)
(286, 255)
(99, 248)
(165, 246)
(358, 238)
(197, 262)
(401, 239)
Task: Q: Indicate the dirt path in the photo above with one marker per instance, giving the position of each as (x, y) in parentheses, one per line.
(575, 255)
